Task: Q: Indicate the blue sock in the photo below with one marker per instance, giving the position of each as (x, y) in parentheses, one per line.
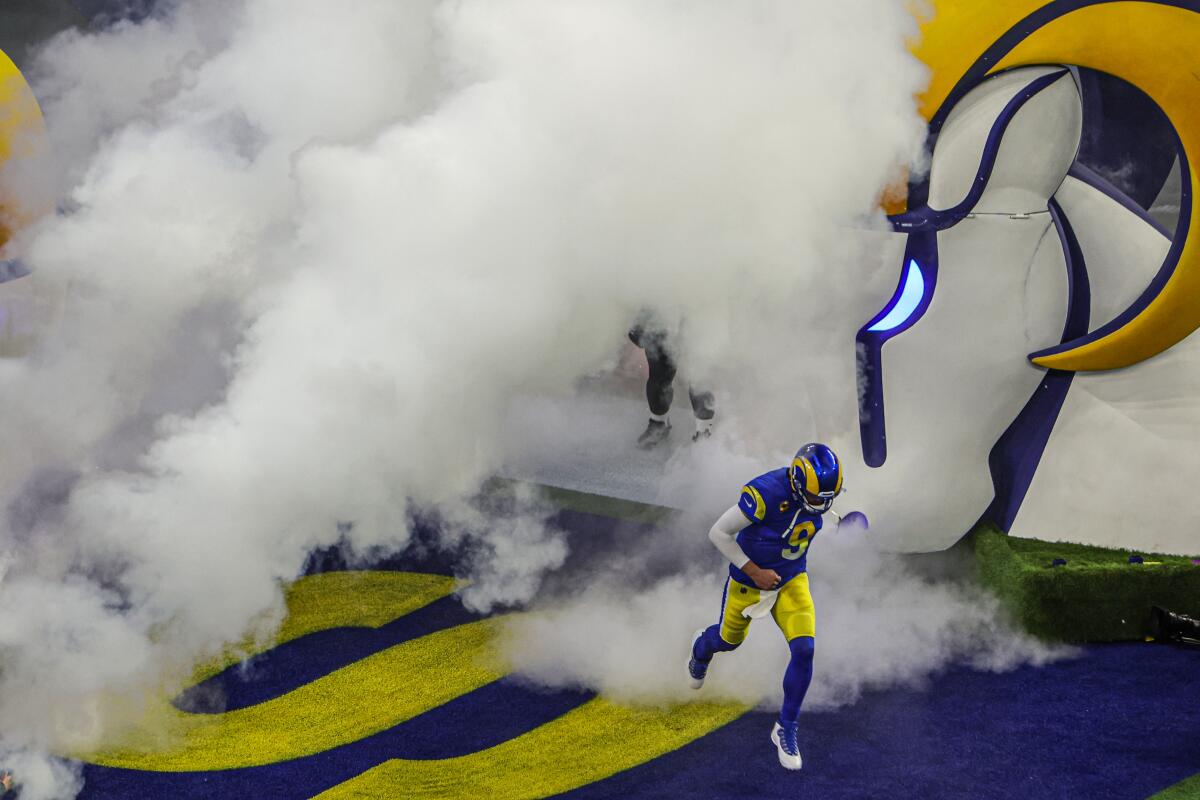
(796, 678)
(711, 643)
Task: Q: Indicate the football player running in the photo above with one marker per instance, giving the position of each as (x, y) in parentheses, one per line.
(766, 538)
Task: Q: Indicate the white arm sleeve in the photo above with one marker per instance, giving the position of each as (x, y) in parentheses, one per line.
(724, 533)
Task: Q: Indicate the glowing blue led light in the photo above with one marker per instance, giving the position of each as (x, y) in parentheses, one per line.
(910, 297)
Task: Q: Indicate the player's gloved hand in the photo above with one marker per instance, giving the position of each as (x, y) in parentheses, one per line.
(766, 579)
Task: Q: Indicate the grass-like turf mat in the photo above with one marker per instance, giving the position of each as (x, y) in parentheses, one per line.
(1184, 790)
(1096, 596)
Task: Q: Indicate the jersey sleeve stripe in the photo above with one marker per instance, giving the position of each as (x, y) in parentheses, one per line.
(757, 503)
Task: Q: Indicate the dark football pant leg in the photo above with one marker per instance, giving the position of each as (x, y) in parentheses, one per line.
(660, 390)
(704, 405)
(797, 677)
(711, 643)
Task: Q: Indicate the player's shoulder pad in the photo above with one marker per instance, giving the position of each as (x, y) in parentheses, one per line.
(761, 495)
(752, 503)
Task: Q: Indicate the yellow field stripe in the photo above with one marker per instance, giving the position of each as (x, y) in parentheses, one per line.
(366, 599)
(344, 706)
(368, 696)
(592, 742)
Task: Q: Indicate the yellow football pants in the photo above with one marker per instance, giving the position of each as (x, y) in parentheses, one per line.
(793, 610)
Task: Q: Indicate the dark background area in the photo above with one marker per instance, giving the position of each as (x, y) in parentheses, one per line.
(24, 24)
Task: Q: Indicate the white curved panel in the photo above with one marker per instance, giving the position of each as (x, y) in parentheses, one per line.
(1165, 208)
(1037, 149)
(1046, 289)
(1122, 252)
(958, 150)
(953, 383)
(1123, 461)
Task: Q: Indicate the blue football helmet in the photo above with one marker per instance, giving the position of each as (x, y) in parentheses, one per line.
(816, 477)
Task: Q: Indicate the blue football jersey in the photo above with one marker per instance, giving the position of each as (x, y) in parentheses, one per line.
(779, 532)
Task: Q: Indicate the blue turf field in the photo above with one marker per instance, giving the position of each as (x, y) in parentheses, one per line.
(1120, 721)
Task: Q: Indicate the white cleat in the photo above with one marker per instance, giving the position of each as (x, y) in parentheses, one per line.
(696, 670)
(785, 745)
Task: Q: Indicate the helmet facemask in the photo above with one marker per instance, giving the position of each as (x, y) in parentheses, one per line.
(817, 503)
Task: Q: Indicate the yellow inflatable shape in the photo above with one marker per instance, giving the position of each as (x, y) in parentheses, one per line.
(1151, 45)
(386, 688)
(955, 35)
(595, 741)
(1154, 47)
(22, 135)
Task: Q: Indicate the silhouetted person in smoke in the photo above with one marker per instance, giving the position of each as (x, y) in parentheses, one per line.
(650, 335)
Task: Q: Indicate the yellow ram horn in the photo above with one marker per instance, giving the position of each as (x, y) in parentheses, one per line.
(22, 136)
(1150, 44)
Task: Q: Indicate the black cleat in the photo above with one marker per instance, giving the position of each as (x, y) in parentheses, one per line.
(655, 434)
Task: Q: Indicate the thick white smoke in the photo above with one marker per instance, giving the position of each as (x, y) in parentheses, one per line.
(309, 253)
(880, 623)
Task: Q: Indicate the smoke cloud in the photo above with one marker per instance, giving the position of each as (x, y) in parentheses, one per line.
(881, 622)
(307, 258)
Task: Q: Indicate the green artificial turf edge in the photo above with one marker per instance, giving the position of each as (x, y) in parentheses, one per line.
(1096, 596)
(1187, 789)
